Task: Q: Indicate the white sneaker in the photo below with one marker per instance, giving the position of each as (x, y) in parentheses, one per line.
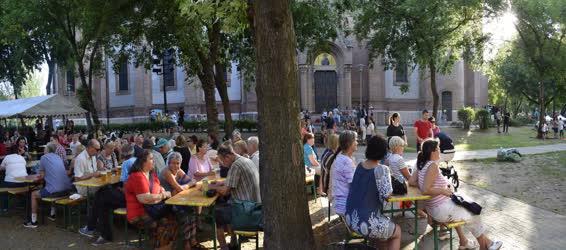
(495, 245)
(470, 245)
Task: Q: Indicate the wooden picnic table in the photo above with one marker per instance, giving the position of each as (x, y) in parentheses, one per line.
(194, 197)
(29, 179)
(413, 194)
(98, 181)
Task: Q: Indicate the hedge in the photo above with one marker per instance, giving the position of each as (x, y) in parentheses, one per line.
(189, 126)
(483, 118)
(466, 115)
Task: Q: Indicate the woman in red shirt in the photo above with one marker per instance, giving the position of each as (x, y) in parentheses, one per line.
(138, 194)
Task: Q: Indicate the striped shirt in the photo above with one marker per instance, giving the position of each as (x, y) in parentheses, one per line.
(243, 179)
(439, 182)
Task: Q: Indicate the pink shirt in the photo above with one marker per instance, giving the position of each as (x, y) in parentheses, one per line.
(197, 165)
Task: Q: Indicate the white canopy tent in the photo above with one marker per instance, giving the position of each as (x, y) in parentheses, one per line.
(39, 106)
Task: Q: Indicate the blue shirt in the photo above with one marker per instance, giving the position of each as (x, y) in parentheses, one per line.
(56, 179)
(126, 169)
(308, 150)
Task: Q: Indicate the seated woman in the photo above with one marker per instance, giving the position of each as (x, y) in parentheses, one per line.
(174, 180)
(441, 208)
(342, 170)
(200, 165)
(21, 148)
(312, 166)
(15, 166)
(143, 188)
(107, 159)
(370, 187)
(241, 148)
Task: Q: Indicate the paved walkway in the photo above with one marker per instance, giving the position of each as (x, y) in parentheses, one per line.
(519, 225)
(477, 154)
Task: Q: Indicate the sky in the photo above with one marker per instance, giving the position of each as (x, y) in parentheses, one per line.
(501, 29)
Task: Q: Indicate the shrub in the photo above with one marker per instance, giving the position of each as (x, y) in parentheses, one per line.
(483, 118)
(466, 115)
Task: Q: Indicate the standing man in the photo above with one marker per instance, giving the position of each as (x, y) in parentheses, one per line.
(423, 129)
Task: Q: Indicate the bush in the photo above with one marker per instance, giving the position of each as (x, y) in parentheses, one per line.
(483, 118)
(466, 115)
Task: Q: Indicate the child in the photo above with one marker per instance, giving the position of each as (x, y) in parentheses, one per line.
(544, 130)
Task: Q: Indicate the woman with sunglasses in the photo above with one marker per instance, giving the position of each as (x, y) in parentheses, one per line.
(435, 128)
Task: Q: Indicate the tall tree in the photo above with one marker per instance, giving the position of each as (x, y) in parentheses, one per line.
(541, 48)
(86, 27)
(432, 34)
(287, 224)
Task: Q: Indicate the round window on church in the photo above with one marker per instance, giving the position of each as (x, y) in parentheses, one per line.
(325, 59)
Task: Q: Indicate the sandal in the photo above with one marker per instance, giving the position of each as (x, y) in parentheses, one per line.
(470, 245)
(495, 245)
(444, 236)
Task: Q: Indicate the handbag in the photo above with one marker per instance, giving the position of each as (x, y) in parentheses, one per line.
(398, 187)
(247, 215)
(158, 210)
(471, 206)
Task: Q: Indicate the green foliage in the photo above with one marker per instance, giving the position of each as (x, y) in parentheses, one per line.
(466, 115)
(432, 34)
(482, 116)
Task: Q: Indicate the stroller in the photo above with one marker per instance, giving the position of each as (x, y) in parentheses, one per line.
(446, 155)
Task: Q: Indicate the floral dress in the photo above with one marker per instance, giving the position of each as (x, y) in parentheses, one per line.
(366, 200)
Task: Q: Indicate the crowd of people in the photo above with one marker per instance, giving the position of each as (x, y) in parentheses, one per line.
(151, 170)
(359, 191)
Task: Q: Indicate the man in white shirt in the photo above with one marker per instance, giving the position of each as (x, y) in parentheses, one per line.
(86, 167)
(15, 166)
(253, 150)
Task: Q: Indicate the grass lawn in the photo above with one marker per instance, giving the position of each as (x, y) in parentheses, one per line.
(476, 139)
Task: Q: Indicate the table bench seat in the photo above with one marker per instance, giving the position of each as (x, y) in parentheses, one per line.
(67, 201)
(53, 199)
(14, 190)
(120, 211)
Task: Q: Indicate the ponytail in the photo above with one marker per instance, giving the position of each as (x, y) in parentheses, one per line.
(328, 164)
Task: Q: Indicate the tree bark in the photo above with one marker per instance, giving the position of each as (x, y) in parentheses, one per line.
(542, 110)
(222, 88)
(50, 77)
(287, 224)
(433, 90)
(208, 86)
(85, 101)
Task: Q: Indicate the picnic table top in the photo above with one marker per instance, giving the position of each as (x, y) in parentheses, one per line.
(29, 179)
(194, 197)
(98, 181)
(413, 194)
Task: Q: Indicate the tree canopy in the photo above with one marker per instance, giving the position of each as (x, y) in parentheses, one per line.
(432, 34)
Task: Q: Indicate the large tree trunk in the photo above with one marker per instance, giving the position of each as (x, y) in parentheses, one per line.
(50, 77)
(86, 100)
(542, 109)
(435, 97)
(222, 88)
(287, 223)
(207, 81)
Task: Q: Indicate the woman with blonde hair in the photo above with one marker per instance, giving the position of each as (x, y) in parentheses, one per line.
(331, 148)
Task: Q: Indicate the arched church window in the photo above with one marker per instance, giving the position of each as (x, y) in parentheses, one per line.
(325, 59)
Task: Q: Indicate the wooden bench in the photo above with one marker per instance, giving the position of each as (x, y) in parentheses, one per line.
(448, 228)
(248, 234)
(69, 206)
(124, 212)
(14, 191)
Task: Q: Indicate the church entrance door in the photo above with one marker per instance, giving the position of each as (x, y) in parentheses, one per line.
(325, 90)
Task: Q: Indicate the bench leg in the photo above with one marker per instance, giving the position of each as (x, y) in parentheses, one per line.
(435, 236)
(451, 237)
(257, 241)
(127, 242)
